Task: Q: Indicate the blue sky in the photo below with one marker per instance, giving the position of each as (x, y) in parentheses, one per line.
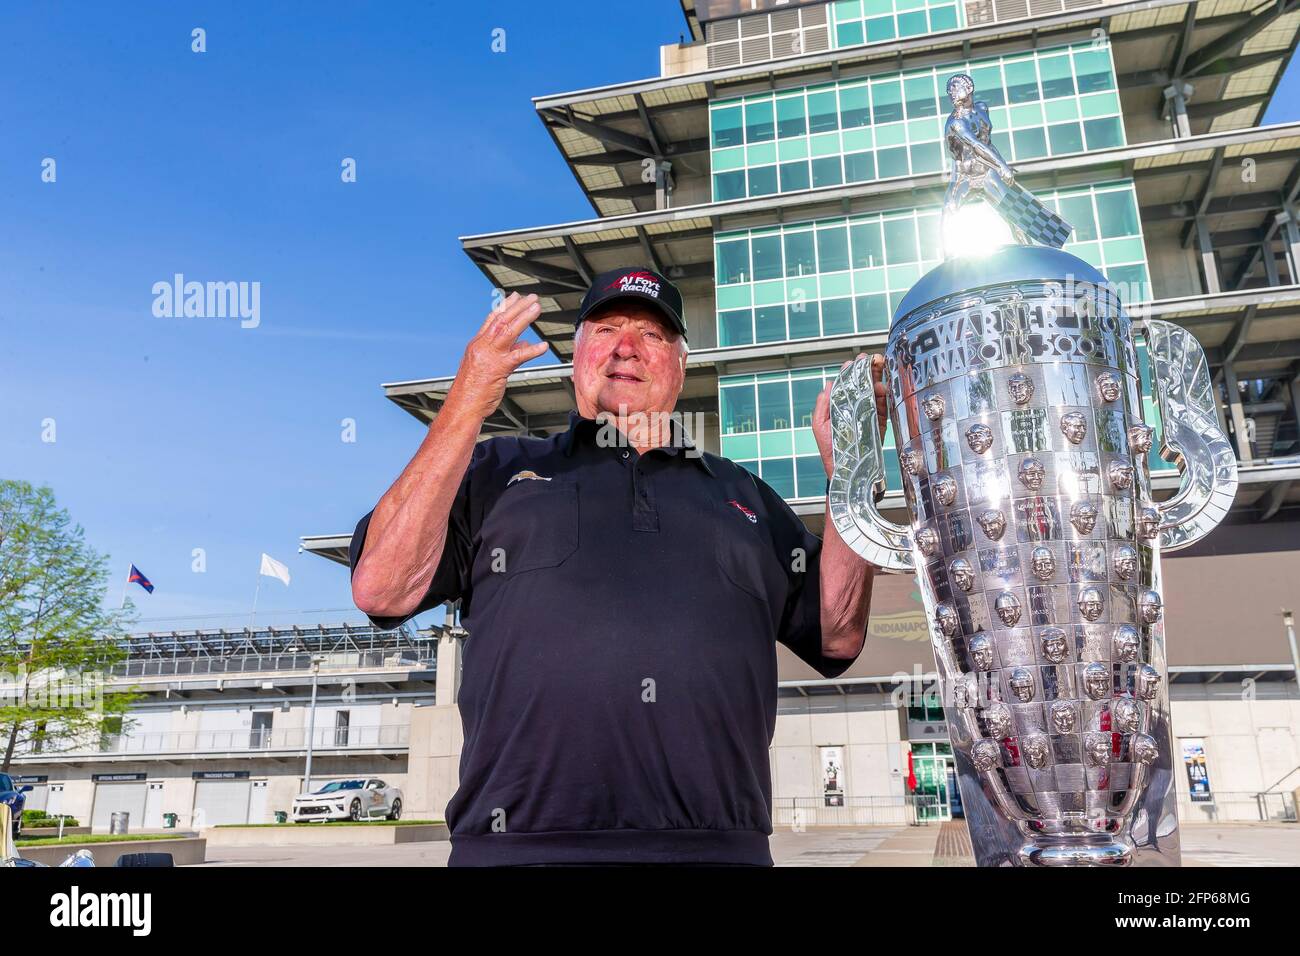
(173, 433)
(179, 433)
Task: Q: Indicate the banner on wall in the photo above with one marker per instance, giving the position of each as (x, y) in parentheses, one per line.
(1198, 772)
(833, 776)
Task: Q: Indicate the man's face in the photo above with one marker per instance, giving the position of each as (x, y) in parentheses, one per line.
(628, 360)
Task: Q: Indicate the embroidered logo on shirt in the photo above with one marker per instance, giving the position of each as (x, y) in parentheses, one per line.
(753, 518)
(525, 476)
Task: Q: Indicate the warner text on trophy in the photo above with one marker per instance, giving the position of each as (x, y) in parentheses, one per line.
(1032, 530)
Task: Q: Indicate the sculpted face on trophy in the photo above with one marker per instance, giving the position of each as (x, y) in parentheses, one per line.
(1029, 519)
(1043, 563)
(1021, 387)
(963, 575)
(1074, 427)
(1031, 473)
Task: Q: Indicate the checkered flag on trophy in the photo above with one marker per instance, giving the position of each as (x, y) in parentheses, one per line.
(1022, 210)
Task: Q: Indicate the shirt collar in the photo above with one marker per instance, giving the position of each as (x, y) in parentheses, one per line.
(679, 441)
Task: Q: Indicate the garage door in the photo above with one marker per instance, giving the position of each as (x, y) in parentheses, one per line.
(38, 797)
(221, 801)
(112, 797)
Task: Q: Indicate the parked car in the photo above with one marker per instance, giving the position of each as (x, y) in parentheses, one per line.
(359, 798)
(14, 797)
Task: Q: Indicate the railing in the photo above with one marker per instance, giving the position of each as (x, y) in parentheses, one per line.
(1239, 807)
(865, 811)
(245, 741)
(165, 667)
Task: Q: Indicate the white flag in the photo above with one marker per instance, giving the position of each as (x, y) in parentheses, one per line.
(274, 569)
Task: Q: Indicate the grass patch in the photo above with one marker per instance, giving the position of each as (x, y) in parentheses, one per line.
(332, 823)
(98, 838)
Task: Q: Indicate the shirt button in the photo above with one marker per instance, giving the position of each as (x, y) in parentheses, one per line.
(625, 453)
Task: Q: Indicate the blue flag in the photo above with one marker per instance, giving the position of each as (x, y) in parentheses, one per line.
(140, 579)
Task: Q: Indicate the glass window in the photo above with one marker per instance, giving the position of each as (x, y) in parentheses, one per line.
(832, 250)
(733, 262)
(880, 28)
(729, 185)
(773, 405)
(767, 257)
(1077, 211)
(769, 324)
(779, 473)
(943, 18)
(822, 113)
(872, 312)
(794, 176)
(868, 249)
(887, 101)
(837, 317)
(1065, 138)
(892, 162)
(927, 233)
(1022, 81)
(805, 319)
(900, 240)
(859, 167)
(921, 101)
(926, 158)
(848, 34)
(912, 24)
(827, 171)
(800, 259)
(811, 475)
(737, 408)
(736, 327)
(1103, 133)
(855, 109)
(1117, 213)
(790, 120)
(1093, 70)
(1058, 77)
(727, 129)
(1029, 144)
(762, 181)
(759, 124)
(988, 85)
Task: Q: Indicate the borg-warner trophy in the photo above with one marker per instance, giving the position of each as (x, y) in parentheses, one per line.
(1014, 386)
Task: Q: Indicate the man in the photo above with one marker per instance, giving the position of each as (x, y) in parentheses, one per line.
(623, 595)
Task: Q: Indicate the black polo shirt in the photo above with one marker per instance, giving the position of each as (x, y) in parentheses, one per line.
(618, 692)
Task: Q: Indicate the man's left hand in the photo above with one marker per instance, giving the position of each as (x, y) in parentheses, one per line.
(821, 422)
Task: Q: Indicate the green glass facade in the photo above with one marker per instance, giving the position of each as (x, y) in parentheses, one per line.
(766, 426)
(854, 22)
(1041, 103)
(848, 274)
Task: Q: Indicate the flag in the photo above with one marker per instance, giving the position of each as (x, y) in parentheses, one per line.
(274, 569)
(911, 774)
(139, 579)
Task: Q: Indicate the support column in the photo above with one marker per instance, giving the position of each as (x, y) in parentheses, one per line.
(663, 183)
(1286, 220)
(1209, 263)
(1240, 438)
(1270, 263)
(1176, 97)
(447, 685)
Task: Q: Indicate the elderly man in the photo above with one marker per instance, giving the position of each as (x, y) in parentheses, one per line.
(623, 594)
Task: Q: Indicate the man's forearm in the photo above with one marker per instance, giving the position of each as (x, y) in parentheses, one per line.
(408, 529)
(846, 579)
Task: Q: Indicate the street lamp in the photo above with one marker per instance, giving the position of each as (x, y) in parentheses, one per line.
(311, 719)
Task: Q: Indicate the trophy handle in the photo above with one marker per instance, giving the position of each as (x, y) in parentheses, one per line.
(1191, 437)
(858, 476)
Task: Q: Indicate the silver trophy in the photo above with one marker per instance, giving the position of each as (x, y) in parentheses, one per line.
(1036, 540)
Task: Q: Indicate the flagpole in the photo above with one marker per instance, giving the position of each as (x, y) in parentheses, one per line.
(257, 592)
(125, 584)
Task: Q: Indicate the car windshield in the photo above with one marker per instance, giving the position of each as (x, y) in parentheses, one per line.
(338, 785)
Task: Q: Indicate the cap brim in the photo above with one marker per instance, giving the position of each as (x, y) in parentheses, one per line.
(673, 318)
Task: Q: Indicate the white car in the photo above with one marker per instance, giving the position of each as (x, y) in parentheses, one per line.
(360, 798)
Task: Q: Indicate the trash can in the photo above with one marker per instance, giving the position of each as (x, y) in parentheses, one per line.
(169, 821)
(281, 816)
(120, 822)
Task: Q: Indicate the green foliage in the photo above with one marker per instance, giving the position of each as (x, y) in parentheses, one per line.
(57, 639)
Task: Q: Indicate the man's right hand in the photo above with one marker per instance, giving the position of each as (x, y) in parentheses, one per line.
(492, 355)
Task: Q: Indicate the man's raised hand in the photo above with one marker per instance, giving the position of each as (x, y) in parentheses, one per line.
(492, 354)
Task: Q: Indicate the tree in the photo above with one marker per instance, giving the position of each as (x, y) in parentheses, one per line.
(58, 642)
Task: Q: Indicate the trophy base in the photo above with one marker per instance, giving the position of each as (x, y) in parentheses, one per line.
(1084, 852)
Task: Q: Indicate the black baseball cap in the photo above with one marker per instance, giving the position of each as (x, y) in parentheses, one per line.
(635, 282)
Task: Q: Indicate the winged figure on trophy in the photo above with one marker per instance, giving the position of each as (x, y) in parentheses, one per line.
(979, 169)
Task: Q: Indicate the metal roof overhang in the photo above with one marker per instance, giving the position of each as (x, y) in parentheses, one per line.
(1177, 180)
(1234, 51)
